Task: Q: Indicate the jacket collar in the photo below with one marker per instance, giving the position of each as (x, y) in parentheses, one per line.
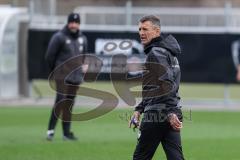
(153, 43)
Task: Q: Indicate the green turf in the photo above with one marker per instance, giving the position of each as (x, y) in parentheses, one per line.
(209, 136)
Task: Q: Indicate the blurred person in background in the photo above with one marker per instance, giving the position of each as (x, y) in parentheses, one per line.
(236, 57)
(162, 119)
(64, 45)
(238, 73)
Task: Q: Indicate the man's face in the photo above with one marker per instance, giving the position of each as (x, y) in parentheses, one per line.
(148, 31)
(73, 27)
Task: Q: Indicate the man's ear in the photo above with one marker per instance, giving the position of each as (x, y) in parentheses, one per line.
(158, 30)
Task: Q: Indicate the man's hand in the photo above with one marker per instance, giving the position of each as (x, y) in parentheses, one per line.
(174, 122)
(85, 68)
(135, 120)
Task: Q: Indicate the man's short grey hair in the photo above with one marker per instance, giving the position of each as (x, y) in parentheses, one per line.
(152, 18)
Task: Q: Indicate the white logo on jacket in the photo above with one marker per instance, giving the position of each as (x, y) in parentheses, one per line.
(81, 48)
(80, 40)
(68, 41)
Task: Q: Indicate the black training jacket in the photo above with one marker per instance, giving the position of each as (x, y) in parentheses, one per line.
(63, 46)
(162, 76)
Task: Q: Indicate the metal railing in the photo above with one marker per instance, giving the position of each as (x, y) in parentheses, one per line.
(126, 18)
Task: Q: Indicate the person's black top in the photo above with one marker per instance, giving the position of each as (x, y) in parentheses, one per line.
(63, 46)
(162, 78)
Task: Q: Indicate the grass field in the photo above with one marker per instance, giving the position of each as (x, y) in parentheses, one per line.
(187, 90)
(209, 136)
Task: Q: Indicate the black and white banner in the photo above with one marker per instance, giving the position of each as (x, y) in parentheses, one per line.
(205, 58)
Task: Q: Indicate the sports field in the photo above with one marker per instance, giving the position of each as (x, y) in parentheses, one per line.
(209, 136)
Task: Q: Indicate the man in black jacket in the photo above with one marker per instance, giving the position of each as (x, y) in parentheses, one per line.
(162, 119)
(65, 45)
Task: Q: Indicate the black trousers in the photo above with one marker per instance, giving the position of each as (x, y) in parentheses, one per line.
(63, 108)
(152, 133)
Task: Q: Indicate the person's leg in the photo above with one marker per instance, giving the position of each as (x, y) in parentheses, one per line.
(172, 145)
(67, 111)
(148, 141)
(55, 113)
